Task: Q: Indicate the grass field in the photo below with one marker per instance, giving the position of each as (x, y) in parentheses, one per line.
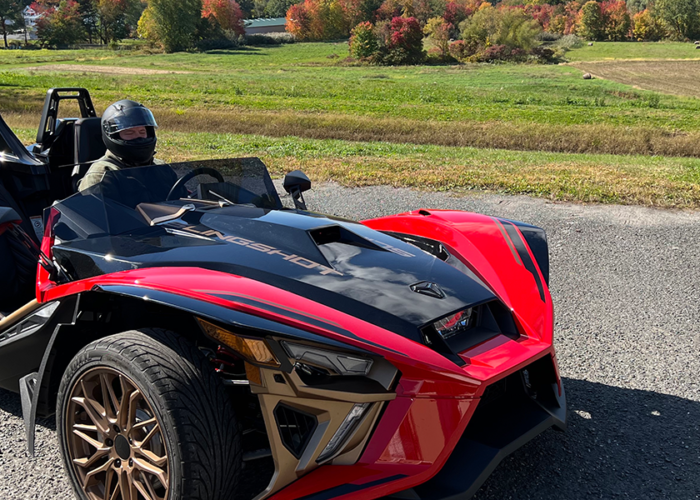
(429, 118)
(670, 77)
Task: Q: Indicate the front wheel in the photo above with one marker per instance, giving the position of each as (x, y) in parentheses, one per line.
(141, 416)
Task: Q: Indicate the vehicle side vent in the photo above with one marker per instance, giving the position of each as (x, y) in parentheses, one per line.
(295, 427)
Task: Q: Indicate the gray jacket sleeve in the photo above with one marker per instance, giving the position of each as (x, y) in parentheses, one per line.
(95, 174)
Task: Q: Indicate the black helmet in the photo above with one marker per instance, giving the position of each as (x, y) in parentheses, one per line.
(126, 114)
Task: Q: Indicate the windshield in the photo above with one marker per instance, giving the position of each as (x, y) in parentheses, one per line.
(132, 198)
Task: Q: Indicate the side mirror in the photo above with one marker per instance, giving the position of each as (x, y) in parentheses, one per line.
(8, 217)
(295, 183)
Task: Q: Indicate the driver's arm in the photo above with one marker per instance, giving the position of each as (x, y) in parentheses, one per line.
(95, 174)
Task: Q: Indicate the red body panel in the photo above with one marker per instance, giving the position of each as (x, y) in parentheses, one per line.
(436, 398)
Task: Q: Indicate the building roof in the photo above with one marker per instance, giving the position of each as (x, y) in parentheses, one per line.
(266, 21)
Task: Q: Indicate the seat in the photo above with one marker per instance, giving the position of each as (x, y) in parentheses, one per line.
(88, 147)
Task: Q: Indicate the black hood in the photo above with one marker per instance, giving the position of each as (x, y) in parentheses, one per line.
(339, 263)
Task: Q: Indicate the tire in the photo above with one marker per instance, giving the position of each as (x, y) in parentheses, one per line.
(177, 410)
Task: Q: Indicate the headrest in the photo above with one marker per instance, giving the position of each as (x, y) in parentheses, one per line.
(88, 140)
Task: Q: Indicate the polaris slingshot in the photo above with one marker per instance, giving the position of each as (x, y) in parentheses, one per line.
(183, 332)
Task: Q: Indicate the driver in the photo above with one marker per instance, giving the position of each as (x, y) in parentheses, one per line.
(129, 133)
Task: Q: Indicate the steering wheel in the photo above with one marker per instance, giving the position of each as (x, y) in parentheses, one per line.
(191, 175)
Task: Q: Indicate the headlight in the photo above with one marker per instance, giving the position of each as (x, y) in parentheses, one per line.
(346, 429)
(335, 362)
(452, 325)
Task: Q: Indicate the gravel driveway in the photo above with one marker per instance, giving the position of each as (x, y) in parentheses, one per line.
(626, 288)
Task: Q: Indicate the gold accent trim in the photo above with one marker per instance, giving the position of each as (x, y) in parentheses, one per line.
(19, 314)
(330, 409)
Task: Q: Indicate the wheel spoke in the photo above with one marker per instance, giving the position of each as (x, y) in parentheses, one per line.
(145, 423)
(92, 442)
(103, 468)
(139, 486)
(89, 461)
(111, 403)
(149, 436)
(145, 466)
(117, 489)
(154, 495)
(92, 413)
(152, 457)
(109, 479)
(124, 486)
(122, 415)
(131, 416)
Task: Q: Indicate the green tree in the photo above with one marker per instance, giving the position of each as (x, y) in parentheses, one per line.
(278, 8)
(681, 16)
(10, 15)
(517, 30)
(591, 25)
(88, 13)
(176, 22)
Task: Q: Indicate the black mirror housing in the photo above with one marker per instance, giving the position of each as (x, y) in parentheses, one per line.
(295, 183)
(296, 180)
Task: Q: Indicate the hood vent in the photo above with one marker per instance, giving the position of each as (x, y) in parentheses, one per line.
(339, 234)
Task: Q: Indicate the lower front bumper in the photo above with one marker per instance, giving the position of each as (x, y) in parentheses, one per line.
(517, 410)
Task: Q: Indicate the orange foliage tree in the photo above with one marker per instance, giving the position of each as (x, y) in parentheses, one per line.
(227, 13)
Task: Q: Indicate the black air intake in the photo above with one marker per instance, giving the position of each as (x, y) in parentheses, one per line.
(295, 428)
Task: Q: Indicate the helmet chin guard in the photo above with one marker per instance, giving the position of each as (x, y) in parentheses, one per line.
(126, 114)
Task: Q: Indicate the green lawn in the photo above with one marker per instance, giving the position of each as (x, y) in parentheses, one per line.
(305, 97)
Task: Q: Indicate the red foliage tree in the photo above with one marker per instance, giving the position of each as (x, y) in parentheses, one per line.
(405, 43)
(455, 13)
(227, 12)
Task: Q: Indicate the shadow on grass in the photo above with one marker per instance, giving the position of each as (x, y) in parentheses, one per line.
(621, 443)
(244, 50)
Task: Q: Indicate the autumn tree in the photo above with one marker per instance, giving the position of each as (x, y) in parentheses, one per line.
(363, 41)
(227, 12)
(60, 25)
(616, 19)
(647, 27)
(438, 31)
(10, 15)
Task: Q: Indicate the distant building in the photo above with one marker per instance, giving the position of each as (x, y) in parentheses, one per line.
(264, 25)
(30, 17)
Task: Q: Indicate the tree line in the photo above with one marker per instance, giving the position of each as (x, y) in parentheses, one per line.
(616, 20)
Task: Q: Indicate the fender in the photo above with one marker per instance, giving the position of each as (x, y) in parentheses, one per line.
(496, 250)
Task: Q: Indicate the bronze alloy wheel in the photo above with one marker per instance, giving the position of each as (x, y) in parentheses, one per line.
(114, 439)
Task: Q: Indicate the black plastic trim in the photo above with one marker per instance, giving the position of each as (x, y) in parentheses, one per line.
(345, 489)
(523, 253)
(536, 238)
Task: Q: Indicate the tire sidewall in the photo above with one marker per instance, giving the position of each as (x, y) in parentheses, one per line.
(87, 360)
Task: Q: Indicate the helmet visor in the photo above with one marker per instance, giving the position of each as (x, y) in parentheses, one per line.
(129, 118)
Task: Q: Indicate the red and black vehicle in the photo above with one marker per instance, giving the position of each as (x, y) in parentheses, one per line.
(181, 331)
